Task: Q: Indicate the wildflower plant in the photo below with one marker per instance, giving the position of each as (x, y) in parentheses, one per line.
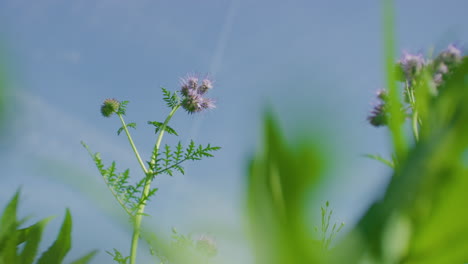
(327, 232)
(422, 80)
(133, 197)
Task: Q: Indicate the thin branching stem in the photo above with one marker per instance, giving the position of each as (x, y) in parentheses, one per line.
(147, 188)
(140, 161)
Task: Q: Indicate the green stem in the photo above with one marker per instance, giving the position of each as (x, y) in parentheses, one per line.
(415, 126)
(146, 190)
(143, 167)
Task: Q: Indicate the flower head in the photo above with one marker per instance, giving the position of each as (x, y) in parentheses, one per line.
(449, 56)
(109, 107)
(192, 94)
(190, 83)
(411, 65)
(206, 85)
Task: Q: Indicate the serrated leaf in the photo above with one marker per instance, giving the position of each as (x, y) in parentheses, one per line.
(171, 99)
(85, 259)
(122, 128)
(122, 108)
(158, 126)
(56, 253)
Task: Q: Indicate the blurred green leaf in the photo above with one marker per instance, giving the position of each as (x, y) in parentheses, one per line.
(429, 191)
(8, 234)
(280, 177)
(32, 235)
(86, 259)
(56, 253)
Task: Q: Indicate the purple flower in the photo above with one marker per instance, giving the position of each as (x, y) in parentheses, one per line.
(411, 65)
(189, 83)
(192, 94)
(206, 85)
(438, 79)
(449, 56)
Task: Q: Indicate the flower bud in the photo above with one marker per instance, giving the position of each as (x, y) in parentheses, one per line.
(109, 107)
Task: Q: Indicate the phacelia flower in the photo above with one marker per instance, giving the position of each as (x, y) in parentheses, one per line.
(411, 65)
(190, 83)
(207, 245)
(450, 56)
(192, 94)
(109, 107)
(444, 63)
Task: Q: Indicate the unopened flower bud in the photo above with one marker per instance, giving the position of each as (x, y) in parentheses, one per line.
(109, 107)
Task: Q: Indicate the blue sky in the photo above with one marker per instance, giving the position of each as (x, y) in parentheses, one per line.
(316, 63)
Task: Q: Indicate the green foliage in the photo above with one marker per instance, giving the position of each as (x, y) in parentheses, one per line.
(134, 197)
(122, 108)
(280, 177)
(171, 99)
(381, 159)
(128, 195)
(159, 125)
(172, 159)
(326, 234)
(132, 125)
(424, 199)
(12, 238)
(184, 249)
(118, 257)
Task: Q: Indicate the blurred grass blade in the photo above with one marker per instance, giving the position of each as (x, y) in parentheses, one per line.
(8, 234)
(32, 235)
(86, 259)
(397, 117)
(56, 253)
(280, 177)
(381, 159)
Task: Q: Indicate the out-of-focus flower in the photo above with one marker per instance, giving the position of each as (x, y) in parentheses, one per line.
(438, 79)
(411, 65)
(449, 56)
(445, 62)
(378, 116)
(207, 245)
(192, 94)
(109, 107)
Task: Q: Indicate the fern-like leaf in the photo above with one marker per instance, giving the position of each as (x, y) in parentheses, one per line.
(159, 125)
(132, 125)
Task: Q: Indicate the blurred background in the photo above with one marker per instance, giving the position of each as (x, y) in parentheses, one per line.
(316, 64)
